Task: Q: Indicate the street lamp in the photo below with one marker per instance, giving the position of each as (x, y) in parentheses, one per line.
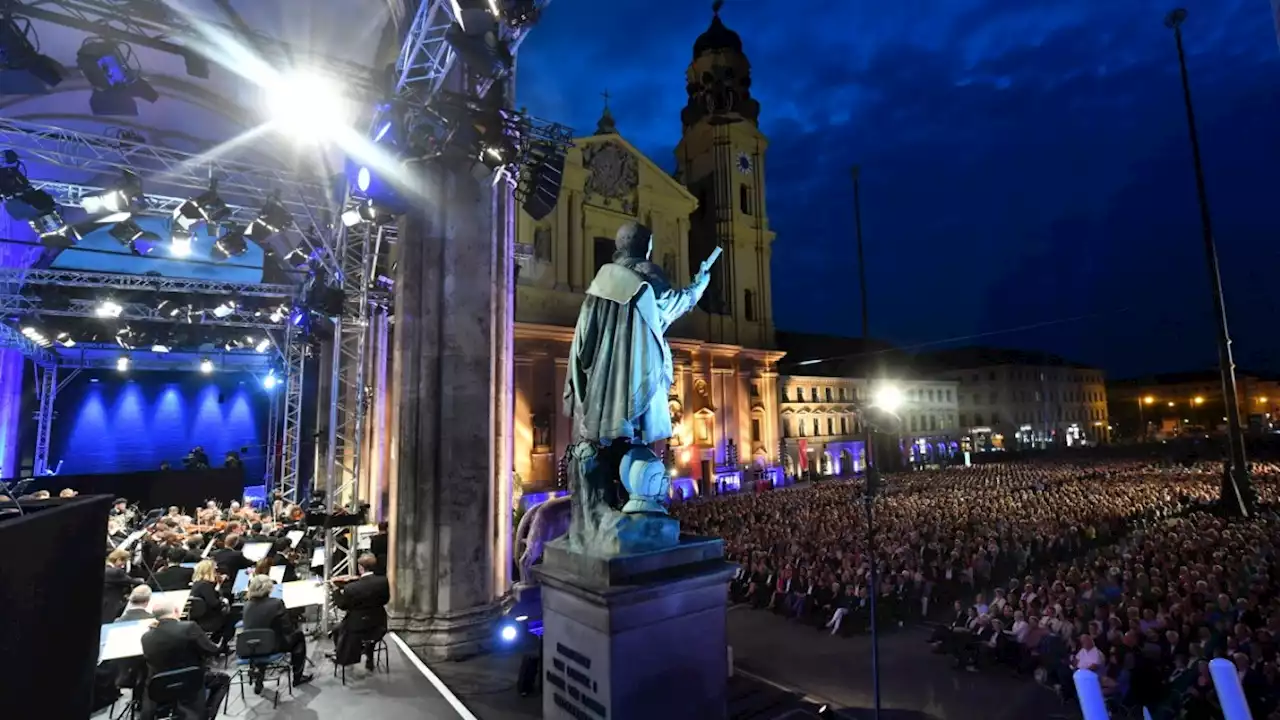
(882, 413)
(1236, 496)
(1142, 418)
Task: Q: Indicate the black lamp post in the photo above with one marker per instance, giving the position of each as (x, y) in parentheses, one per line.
(872, 480)
(1237, 489)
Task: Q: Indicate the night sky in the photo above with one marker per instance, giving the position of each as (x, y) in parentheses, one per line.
(1026, 174)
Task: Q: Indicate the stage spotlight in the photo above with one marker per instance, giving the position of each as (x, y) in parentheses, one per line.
(161, 349)
(206, 366)
(262, 345)
(112, 70)
(272, 218)
(230, 244)
(269, 382)
(207, 207)
(122, 363)
(108, 309)
(37, 337)
(128, 233)
(509, 633)
(307, 106)
(26, 70)
(224, 309)
(364, 212)
(123, 197)
(180, 242)
(279, 314)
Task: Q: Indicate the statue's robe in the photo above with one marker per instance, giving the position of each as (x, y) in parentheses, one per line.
(620, 370)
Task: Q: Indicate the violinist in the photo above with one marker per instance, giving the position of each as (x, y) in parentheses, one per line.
(172, 576)
(229, 559)
(364, 598)
(281, 552)
(116, 585)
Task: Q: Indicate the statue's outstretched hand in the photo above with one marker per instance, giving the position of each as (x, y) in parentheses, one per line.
(710, 261)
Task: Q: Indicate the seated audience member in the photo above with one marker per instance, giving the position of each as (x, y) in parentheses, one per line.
(263, 612)
(116, 585)
(364, 600)
(139, 600)
(67, 493)
(173, 576)
(174, 645)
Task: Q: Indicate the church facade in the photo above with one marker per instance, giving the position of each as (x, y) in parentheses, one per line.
(724, 400)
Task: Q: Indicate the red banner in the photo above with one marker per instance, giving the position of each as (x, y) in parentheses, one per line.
(804, 454)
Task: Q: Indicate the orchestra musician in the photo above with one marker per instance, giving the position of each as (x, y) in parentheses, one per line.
(229, 559)
(139, 599)
(174, 644)
(116, 585)
(364, 598)
(212, 617)
(263, 612)
(173, 576)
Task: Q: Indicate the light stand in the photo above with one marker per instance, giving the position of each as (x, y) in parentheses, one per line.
(1237, 490)
(872, 482)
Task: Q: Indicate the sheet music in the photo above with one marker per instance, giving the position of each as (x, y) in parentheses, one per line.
(173, 598)
(124, 544)
(276, 573)
(241, 583)
(317, 557)
(122, 640)
(295, 536)
(302, 593)
(256, 551)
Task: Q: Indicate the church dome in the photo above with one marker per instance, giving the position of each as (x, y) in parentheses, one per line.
(717, 37)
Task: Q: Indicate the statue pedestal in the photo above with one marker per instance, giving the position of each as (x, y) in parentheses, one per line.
(635, 637)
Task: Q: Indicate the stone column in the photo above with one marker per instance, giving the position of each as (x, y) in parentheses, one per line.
(451, 290)
(523, 420)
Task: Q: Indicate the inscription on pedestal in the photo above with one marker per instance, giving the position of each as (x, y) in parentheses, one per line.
(575, 689)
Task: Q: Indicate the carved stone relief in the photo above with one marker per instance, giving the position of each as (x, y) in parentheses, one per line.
(615, 174)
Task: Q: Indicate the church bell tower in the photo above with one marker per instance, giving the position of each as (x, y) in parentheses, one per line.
(720, 158)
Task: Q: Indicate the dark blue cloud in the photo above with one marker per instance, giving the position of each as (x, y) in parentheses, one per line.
(1026, 176)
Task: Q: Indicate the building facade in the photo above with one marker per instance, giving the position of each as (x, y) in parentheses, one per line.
(724, 400)
(1177, 403)
(1010, 400)
(821, 433)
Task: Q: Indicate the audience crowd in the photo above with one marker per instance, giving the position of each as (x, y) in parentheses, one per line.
(1041, 568)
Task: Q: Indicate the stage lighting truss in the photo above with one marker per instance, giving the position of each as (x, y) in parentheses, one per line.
(113, 71)
(19, 54)
(362, 212)
(240, 184)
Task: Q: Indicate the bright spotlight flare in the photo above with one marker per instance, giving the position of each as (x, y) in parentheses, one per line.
(307, 107)
(882, 412)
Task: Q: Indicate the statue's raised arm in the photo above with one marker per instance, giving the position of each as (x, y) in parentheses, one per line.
(616, 391)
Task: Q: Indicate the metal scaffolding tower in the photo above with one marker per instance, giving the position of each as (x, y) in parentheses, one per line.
(295, 362)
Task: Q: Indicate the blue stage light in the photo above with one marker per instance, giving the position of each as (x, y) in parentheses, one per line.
(269, 382)
(509, 633)
(382, 131)
(363, 178)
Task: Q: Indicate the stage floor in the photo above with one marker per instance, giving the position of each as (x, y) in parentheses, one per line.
(403, 694)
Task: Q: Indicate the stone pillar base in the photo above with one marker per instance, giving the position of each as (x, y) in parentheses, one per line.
(453, 637)
(635, 637)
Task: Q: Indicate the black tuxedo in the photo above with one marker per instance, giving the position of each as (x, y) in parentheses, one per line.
(378, 548)
(116, 586)
(270, 614)
(213, 618)
(172, 577)
(174, 645)
(230, 561)
(365, 602)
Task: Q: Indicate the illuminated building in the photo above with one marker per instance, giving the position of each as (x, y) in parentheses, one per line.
(1175, 404)
(724, 398)
(1011, 400)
